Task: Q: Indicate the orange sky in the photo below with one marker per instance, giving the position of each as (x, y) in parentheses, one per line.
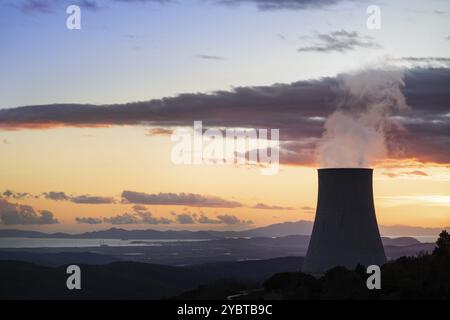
(106, 161)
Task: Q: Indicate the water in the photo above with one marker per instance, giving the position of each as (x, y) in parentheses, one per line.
(86, 243)
(80, 243)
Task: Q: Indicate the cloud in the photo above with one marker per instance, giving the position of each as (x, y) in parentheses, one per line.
(125, 218)
(144, 1)
(203, 219)
(88, 220)
(186, 199)
(146, 217)
(82, 199)
(57, 196)
(429, 199)
(340, 41)
(138, 208)
(185, 218)
(37, 6)
(232, 220)
(209, 57)
(87, 199)
(139, 216)
(281, 4)
(50, 6)
(11, 214)
(426, 59)
(405, 173)
(16, 195)
(308, 210)
(416, 173)
(425, 62)
(270, 207)
(159, 132)
(222, 219)
(88, 4)
(298, 109)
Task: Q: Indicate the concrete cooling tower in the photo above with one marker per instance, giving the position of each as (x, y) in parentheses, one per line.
(345, 231)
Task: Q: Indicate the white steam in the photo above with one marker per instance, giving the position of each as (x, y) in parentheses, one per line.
(356, 133)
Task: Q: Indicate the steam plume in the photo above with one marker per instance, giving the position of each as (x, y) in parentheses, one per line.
(356, 133)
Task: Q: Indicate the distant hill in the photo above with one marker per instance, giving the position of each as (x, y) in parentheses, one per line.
(400, 242)
(117, 233)
(300, 227)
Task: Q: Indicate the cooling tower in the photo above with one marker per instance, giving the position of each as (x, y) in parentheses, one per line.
(345, 230)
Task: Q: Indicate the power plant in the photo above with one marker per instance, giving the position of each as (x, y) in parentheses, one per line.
(345, 231)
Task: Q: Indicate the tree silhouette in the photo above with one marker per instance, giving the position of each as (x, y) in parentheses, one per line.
(442, 244)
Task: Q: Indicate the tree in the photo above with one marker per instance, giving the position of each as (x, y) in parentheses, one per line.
(442, 244)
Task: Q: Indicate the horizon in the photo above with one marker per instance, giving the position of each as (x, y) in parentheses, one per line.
(418, 232)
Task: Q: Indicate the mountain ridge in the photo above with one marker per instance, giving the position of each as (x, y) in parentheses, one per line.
(301, 227)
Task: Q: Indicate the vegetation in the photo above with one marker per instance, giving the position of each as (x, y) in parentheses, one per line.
(426, 276)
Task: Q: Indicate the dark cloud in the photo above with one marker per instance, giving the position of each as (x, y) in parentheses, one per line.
(125, 218)
(50, 6)
(186, 199)
(86, 199)
(144, 1)
(137, 208)
(270, 207)
(139, 216)
(57, 196)
(298, 109)
(339, 41)
(308, 209)
(15, 214)
(88, 4)
(16, 195)
(209, 57)
(37, 6)
(147, 217)
(83, 199)
(45, 217)
(281, 4)
(88, 220)
(222, 219)
(231, 220)
(185, 218)
(427, 61)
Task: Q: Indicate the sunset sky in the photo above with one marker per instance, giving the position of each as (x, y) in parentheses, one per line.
(86, 115)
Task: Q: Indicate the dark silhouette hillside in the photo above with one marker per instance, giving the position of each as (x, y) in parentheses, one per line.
(131, 280)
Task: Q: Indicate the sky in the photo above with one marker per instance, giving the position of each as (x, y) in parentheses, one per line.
(86, 116)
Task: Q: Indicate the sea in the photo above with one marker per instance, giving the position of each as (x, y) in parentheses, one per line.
(83, 243)
(86, 243)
